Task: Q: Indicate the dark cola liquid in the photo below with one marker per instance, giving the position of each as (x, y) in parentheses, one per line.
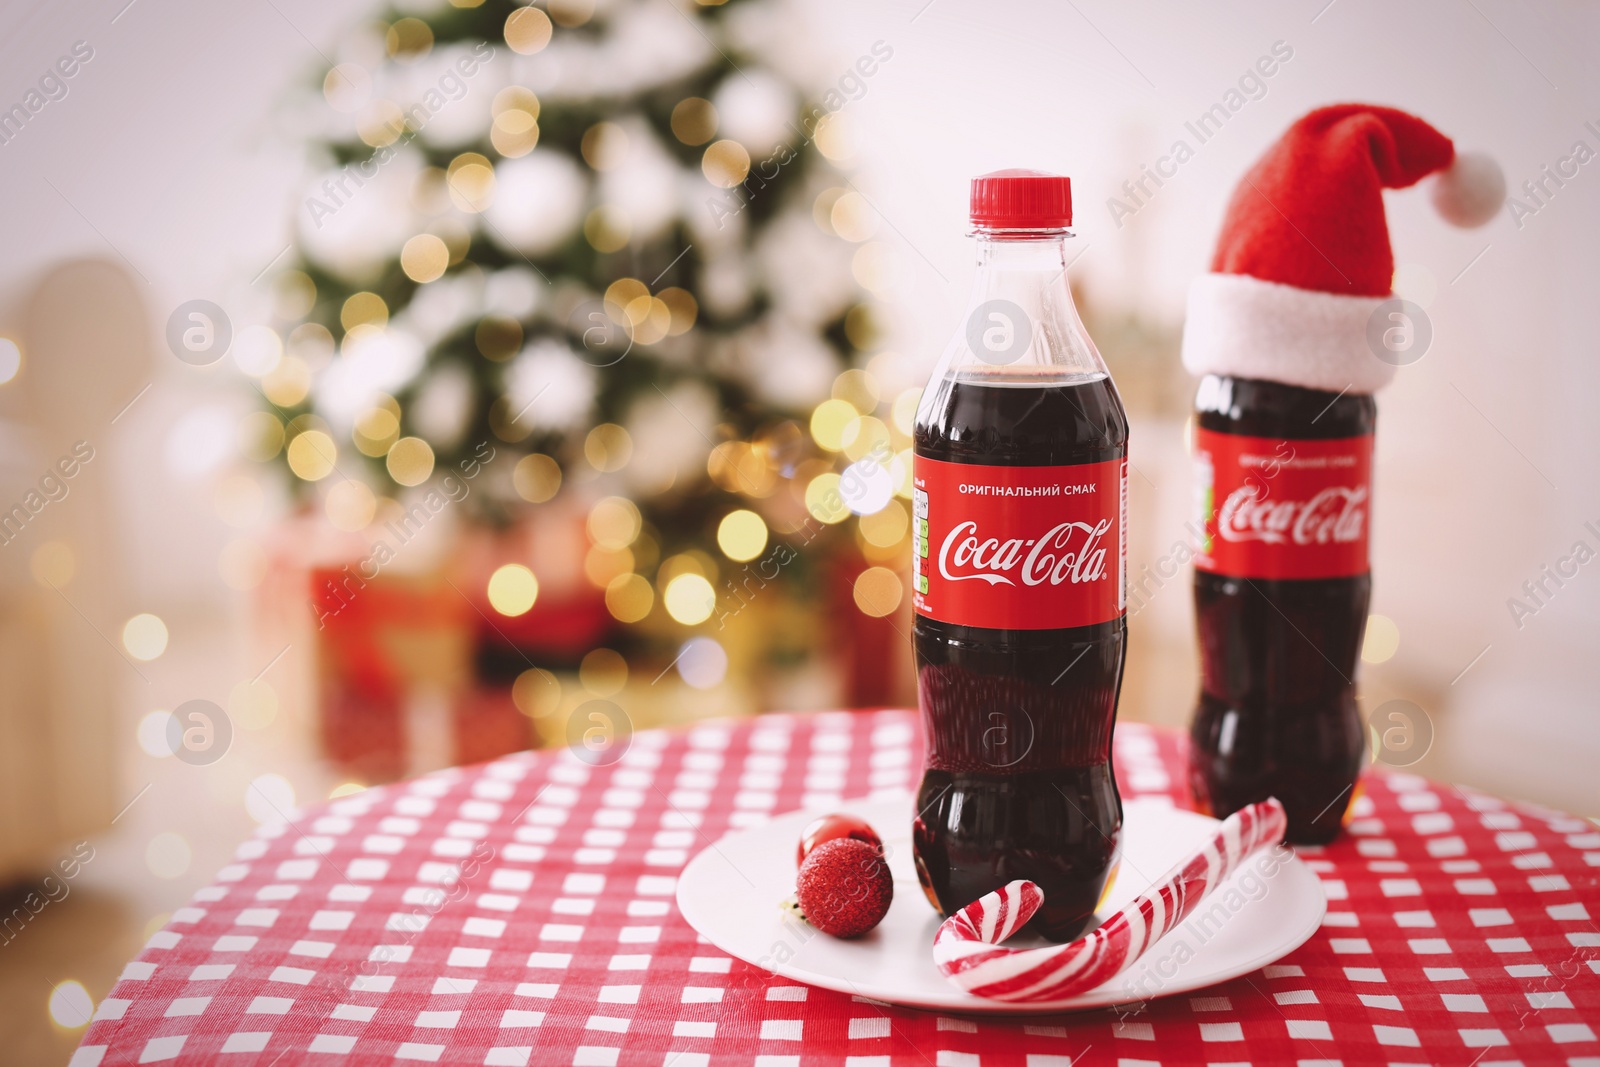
(1019, 782)
(1277, 713)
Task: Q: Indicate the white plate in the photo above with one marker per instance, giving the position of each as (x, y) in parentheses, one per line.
(730, 893)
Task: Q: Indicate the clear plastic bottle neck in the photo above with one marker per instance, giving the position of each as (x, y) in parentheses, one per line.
(1021, 326)
(1022, 249)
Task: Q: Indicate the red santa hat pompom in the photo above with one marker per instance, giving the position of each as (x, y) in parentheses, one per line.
(1304, 257)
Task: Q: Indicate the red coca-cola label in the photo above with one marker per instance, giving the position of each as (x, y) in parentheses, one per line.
(1020, 548)
(1276, 508)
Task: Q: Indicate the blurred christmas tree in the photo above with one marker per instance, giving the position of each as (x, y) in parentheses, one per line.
(605, 243)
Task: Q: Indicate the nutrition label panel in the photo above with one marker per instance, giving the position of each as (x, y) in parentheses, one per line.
(919, 528)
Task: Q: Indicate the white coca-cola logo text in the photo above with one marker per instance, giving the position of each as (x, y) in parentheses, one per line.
(1336, 515)
(1068, 552)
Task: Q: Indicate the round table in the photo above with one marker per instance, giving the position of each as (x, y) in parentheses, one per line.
(522, 912)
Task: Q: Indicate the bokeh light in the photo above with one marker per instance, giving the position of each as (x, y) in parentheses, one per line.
(512, 589)
(866, 486)
(603, 672)
(877, 591)
(312, 343)
(725, 164)
(410, 461)
(681, 307)
(377, 429)
(649, 319)
(53, 564)
(515, 130)
(608, 228)
(823, 499)
(828, 423)
(620, 294)
(853, 218)
(409, 38)
(604, 145)
(822, 209)
(692, 561)
(144, 636)
(350, 505)
(900, 471)
(738, 467)
(498, 338)
(380, 123)
(571, 12)
(865, 436)
(516, 98)
(834, 138)
(260, 436)
(858, 388)
(424, 258)
(152, 734)
(689, 599)
(470, 179)
(10, 359)
(694, 121)
(288, 382)
(742, 535)
(528, 30)
(702, 662)
(1382, 640)
(614, 522)
(168, 855)
(71, 1006)
(608, 447)
(347, 87)
(629, 597)
(887, 527)
(270, 799)
(363, 309)
(312, 455)
(536, 478)
(536, 692)
(257, 350)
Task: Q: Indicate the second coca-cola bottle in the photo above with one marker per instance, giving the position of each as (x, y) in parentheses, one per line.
(1020, 491)
(1281, 588)
(1291, 332)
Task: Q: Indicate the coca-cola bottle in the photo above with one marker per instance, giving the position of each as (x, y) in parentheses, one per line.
(1291, 332)
(1020, 505)
(1281, 587)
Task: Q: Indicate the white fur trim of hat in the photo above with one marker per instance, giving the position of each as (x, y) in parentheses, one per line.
(1244, 327)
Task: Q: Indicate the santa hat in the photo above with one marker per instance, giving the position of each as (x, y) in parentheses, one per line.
(1304, 258)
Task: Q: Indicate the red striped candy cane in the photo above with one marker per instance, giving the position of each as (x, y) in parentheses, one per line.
(966, 951)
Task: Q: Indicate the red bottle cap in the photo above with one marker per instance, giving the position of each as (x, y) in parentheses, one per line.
(1021, 200)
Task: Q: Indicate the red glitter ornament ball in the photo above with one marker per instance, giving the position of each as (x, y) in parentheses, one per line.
(844, 887)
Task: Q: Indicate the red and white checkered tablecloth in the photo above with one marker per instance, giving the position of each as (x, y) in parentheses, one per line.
(521, 912)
